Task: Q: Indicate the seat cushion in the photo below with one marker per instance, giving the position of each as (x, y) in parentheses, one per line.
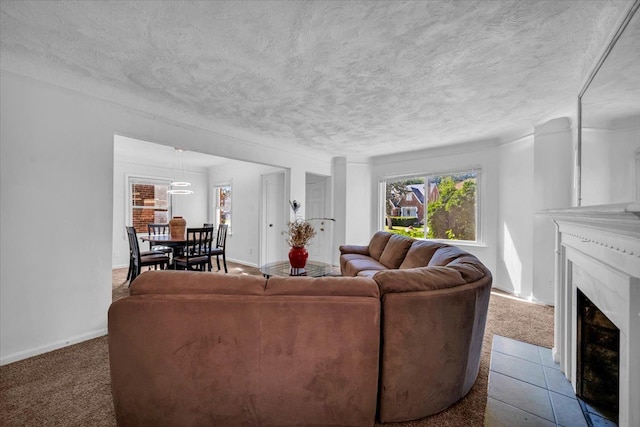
(354, 266)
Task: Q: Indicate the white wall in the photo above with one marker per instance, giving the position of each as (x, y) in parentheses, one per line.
(515, 227)
(552, 189)
(243, 242)
(193, 207)
(536, 174)
(352, 207)
(56, 158)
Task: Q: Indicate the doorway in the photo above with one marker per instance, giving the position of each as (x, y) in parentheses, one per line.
(273, 222)
(317, 210)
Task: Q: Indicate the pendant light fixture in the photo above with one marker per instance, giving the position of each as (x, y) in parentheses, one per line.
(179, 187)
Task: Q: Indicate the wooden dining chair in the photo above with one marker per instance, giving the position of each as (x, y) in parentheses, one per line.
(157, 229)
(143, 259)
(196, 254)
(220, 247)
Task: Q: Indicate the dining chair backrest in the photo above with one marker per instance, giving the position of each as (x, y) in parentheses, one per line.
(199, 241)
(134, 249)
(209, 225)
(221, 239)
(155, 229)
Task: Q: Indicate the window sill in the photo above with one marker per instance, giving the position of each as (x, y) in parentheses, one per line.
(464, 243)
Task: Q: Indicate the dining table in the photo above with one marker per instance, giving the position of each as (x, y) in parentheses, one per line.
(177, 244)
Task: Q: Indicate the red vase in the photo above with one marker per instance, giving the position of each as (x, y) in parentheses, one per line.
(298, 257)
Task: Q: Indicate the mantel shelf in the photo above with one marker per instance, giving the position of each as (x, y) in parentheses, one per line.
(621, 218)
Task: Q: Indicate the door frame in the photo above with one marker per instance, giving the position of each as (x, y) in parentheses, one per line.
(263, 210)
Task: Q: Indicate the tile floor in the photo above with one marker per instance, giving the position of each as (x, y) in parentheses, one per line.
(526, 388)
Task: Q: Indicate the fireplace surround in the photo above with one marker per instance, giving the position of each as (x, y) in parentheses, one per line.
(598, 254)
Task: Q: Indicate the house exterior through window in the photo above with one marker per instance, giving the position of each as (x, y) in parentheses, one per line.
(149, 201)
(222, 205)
(442, 206)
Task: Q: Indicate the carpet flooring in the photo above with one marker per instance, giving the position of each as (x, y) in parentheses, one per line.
(71, 386)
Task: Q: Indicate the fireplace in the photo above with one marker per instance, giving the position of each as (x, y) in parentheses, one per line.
(597, 359)
(598, 273)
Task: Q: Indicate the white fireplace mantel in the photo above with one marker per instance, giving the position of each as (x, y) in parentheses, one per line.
(598, 252)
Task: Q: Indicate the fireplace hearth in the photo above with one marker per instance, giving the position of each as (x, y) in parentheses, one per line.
(598, 257)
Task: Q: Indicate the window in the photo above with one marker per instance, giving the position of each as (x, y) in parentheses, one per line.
(150, 202)
(222, 205)
(411, 211)
(441, 207)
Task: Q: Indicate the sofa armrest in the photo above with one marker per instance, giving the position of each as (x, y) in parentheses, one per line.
(354, 249)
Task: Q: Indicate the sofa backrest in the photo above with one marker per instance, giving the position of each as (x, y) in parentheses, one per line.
(395, 251)
(169, 282)
(378, 243)
(407, 259)
(420, 253)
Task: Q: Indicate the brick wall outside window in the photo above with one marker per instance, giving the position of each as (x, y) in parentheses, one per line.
(149, 204)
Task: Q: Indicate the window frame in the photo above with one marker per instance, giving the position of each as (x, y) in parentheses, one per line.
(142, 179)
(215, 202)
(480, 226)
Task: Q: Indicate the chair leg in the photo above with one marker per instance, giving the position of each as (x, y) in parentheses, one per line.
(134, 274)
(218, 261)
(130, 272)
(224, 261)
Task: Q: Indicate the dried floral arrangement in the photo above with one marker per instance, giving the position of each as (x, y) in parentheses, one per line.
(300, 231)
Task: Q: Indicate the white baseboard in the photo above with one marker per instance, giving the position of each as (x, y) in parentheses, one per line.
(21, 355)
(239, 261)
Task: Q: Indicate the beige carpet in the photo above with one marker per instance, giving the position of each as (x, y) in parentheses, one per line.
(71, 386)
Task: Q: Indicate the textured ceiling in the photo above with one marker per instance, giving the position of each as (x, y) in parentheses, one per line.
(356, 79)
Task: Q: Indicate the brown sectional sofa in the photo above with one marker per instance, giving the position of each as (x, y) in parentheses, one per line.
(402, 342)
(435, 299)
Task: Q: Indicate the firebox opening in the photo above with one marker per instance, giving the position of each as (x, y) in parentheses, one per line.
(598, 359)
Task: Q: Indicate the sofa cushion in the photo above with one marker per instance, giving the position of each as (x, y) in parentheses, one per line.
(354, 266)
(418, 279)
(377, 244)
(469, 267)
(195, 282)
(420, 253)
(322, 286)
(445, 254)
(345, 258)
(395, 251)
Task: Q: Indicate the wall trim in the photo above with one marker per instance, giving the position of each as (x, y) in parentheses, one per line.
(21, 355)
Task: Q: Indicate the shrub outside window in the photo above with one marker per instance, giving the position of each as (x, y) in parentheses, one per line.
(443, 206)
(150, 202)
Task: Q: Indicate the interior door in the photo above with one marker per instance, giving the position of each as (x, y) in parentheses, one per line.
(274, 218)
(316, 207)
